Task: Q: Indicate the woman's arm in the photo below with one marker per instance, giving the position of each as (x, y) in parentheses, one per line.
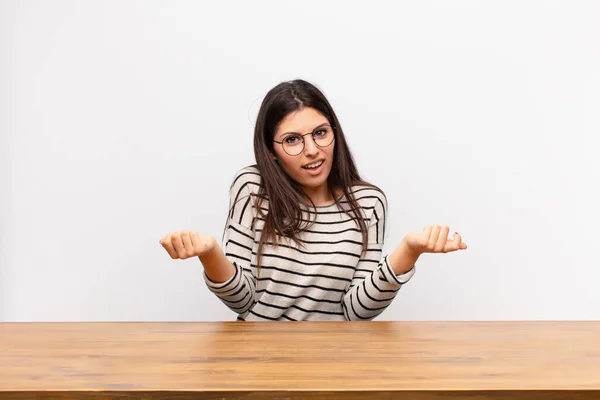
(216, 265)
(378, 279)
(433, 239)
(228, 273)
(187, 244)
(228, 269)
(374, 284)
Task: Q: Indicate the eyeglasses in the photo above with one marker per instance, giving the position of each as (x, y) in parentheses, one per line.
(293, 144)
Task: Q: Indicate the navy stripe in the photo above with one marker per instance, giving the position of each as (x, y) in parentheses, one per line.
(372, 298)
(262, 303)
(222, 291)
(300, 286)
(306, 263)
(240, 232)
(337, 278)
(367, 308)
(376, 226)
(238, 195)
(325, 222)
(326, 233)
(328, 212)
(379, 289)
(342, 253)
(288, 318)
(238, 244)
(236, 256)
(262, 316)
(297, 297)
(243, 174)
(354, 311)
(244, 210)
(240, 300)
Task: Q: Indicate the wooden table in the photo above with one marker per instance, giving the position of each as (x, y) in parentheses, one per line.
(300, 360)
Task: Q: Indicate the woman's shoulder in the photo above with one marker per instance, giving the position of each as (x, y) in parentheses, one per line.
(369, 196)
(246, 179)
(248, 173)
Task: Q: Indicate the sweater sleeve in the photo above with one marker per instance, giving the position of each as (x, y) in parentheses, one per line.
(238, 240)
(374, 284)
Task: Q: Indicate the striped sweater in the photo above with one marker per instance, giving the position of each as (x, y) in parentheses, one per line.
(324, 279)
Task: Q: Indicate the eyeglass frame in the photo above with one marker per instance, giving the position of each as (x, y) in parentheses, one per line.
(304, 142)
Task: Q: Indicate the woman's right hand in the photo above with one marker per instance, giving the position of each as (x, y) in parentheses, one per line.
(186, 244)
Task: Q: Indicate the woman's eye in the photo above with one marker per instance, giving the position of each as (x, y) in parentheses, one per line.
(320, 133)
(291, 140)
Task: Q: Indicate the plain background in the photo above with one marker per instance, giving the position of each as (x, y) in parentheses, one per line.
(122, 121)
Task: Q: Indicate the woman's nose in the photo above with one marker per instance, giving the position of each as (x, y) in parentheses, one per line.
(310, 147)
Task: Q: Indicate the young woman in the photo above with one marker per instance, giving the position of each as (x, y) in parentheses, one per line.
(304, 233)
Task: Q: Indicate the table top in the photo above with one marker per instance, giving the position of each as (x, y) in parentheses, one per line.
(300, 356)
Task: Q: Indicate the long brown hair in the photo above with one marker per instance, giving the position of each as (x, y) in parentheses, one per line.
(284, 195)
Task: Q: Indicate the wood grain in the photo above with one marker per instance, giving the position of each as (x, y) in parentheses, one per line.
(301, 360)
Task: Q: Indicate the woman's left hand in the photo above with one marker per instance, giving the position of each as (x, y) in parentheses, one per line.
(434, 239)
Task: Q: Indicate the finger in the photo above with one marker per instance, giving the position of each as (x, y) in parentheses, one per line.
(433, 238)
(178, 245)
(166, 243)
(426, 235)
(440, 245)
(454, 244)
(187, 244)
(461, 245)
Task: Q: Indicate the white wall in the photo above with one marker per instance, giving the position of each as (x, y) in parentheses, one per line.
(126, 120)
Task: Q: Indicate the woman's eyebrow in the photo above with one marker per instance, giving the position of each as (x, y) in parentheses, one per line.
(298, 133)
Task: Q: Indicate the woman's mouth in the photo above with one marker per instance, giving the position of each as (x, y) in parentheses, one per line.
(314, 168)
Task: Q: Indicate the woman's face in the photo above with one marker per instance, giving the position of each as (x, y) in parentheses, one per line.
(301, 122)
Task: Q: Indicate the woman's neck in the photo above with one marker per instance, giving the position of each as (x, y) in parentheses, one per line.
(320, 195)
